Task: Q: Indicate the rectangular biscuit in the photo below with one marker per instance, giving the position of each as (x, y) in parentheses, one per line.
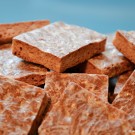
(110, 62)
(19, 69)
(58, 46)
(55, 84)
(125, 43)
(8, 31)
(80, 112)
(22, 107)
(125, 100)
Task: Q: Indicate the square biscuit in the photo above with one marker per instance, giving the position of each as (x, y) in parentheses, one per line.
(58, 46)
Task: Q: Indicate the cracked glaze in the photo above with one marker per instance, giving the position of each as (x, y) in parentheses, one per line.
(56, 83)
(19, 105)
(60, 39)
(80, 112)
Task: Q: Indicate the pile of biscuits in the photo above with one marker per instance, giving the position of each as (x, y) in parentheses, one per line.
(57, 78)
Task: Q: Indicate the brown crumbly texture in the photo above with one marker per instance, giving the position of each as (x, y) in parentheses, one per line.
(121, 81)
(19, 69)
(58, 46)
(80, 112)
(125, 43)
(125, 100)
(56, 82)
(111, 63)
(22, 107)
(8, 31)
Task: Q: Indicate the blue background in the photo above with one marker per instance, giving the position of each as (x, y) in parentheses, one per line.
(101, 15)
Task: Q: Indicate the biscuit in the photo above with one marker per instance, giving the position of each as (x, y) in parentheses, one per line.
(58, 46)
(8, 31)
(125, 43)
(55, 84)
(121, 81)
(19, 69)
(22, 107)
(80, 112)
(110, 62)
(125, 100)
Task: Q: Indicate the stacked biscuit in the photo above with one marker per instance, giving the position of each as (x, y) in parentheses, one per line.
(74, 65)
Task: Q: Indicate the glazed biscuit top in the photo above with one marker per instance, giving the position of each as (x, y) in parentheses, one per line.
(15, 67)
(98, 84)
(129, 35)
(80, 112)
(19, 105)
(60, 39)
